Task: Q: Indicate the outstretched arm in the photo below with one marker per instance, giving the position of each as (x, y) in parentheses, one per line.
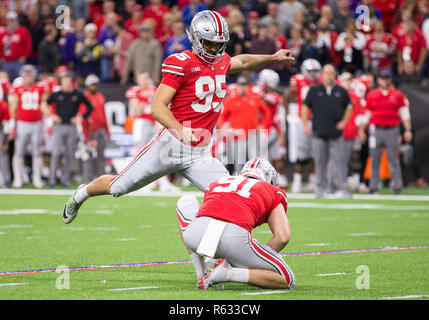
(245, 62)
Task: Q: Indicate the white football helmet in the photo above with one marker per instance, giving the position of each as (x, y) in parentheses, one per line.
(269, 78)
(208, 25)
(28, 69)
(311, 69)
(262, 170)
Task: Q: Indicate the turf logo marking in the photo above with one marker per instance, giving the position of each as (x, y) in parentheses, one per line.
(362, 282)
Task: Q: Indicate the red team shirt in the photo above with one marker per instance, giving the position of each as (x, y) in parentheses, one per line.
(380, 59)
(15, 45)
(384, 108)
(302, 85)
(351, 130)
(273, 101)
(4, 88)
(201, 89)
(145, 96)
(243, 201)
(29, 99)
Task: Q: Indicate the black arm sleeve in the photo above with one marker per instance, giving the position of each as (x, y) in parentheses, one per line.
(309, 98)
(89, 105)
(51, 98)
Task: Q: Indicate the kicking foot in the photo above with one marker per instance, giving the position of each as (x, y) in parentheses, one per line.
(71, 207)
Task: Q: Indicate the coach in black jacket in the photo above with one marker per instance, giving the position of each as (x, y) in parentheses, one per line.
(332, 108)
(66, 117)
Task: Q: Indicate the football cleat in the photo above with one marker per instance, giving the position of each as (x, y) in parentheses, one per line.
(71, 207)
(215, 277)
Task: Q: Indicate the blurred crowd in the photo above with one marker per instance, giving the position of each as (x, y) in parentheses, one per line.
(113, 39)
(94, 42)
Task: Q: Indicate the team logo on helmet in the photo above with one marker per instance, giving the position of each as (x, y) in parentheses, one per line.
(208, 26)
(260, 169)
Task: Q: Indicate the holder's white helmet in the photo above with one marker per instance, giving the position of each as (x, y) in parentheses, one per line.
(269, 78)
(311, 69)
(260, 169)
(208, 25)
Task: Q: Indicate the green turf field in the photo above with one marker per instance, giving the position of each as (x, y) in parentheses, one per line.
(131, 229)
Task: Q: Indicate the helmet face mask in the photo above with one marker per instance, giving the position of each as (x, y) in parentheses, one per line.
(311, 69)
(262, 170)
(269, 78)
(208, 27)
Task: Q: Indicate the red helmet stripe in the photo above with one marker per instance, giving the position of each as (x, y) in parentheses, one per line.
(253, 165)
(218, 22)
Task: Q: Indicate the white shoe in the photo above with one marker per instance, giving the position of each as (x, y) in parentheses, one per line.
(166, 186)
(297, 183)
(217, 276)
(38, 183)
(16, 184)
(283, 183)
(342, 194)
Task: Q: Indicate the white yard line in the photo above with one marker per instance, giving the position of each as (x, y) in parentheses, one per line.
(200, 194)
(331, 274)
(17, 226)
(263, 292)
(12, 284)
(413, 296)
(135, 288)
(23, 211)
(316, 244)
(362, 234)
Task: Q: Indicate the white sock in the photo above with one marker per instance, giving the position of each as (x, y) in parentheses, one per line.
(199, 264)
(81, 195)
(238, 275)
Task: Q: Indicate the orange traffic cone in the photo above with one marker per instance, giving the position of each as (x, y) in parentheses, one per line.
(384, 168)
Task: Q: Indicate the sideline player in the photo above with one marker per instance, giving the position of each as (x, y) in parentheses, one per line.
(268, 81)
(140, 98)
(187, 103)
(25, 112)
(221, 228)
(299, 145)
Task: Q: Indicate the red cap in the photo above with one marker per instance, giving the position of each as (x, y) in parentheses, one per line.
(253, 14)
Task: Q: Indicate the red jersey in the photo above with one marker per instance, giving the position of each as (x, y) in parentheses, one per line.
(97, 119)
(359, 86)
(243, 201)
(4, 112)
(273, 101)
(15, 45)
(201, 89)
(384, 106)
(143, 96)
(29, 99)
(302, 85)
(383, 59)
(156, 13)
(133, 27)
(4, 88)
(351, 130)
(245, 112)
(411, 45)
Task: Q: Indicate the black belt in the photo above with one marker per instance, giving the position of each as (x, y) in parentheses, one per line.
(385, 127)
